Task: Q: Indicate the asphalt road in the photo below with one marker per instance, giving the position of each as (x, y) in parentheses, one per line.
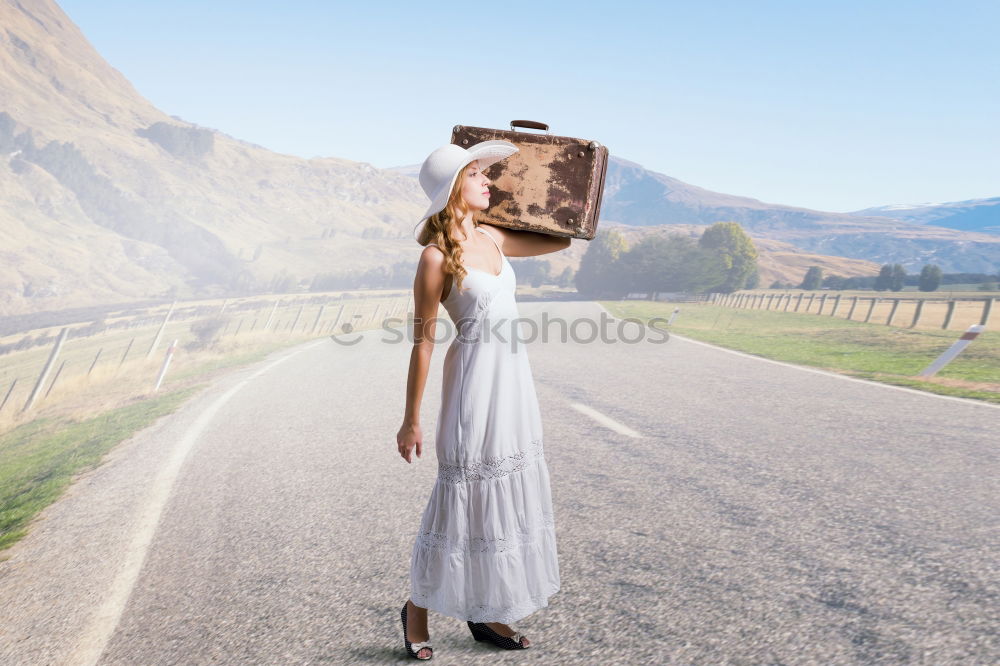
(711, 508)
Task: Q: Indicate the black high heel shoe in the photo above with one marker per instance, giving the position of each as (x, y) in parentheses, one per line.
(481, 632)
(413, 649)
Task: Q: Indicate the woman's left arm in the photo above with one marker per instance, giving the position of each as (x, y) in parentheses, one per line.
(522, 243)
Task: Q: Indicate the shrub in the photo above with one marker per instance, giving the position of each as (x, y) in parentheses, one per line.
(207, 333)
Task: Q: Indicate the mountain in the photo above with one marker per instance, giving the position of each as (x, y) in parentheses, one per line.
(105, 198)
(972, 215)
(636, 196)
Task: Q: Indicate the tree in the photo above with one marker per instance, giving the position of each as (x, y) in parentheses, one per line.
(835, 282)
(672, 263)
(736, 252)
(930, 278)
(898, 277)
(813, 278)
(565, 278)
(599, 273)
(884, 278)
(540, 273)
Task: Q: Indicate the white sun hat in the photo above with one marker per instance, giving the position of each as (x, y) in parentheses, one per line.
(441, 168)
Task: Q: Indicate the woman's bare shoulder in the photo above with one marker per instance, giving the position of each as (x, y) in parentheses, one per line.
(431, 257)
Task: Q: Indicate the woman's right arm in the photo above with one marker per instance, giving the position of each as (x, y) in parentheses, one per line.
(428, 285)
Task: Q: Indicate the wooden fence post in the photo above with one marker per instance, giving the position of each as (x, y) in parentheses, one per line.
(854, 304)
(336, 319)
(45, 371)
(56, 378)
(799, 302)
(916, 314)
(948, 315)
(892, 312)
(95, 360)
(871, 309)
(127, 348)
(267, 323)
(159, 333)
(9, 391)
(295, 322)
(836, 304)
(987, 308)
(319, 315)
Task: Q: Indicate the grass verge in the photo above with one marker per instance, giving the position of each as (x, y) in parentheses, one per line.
(869, 351)
(39, 459)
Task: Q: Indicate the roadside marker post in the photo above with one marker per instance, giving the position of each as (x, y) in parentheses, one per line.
(970, 334)
(166, 362)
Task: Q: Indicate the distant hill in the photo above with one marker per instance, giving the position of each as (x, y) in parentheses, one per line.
(106, 199)
(972, 215)
(636, 196)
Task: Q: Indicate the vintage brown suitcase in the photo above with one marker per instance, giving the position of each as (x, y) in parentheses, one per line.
(552, 185)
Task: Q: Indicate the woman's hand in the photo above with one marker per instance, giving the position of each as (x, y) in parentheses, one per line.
(408, 437)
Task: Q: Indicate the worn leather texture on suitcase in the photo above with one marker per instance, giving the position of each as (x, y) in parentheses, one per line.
(552, 185)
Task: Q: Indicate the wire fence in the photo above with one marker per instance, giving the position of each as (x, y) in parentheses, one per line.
(38, 366)
(925, 313)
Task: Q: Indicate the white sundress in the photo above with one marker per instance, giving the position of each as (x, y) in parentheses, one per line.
(486, 547)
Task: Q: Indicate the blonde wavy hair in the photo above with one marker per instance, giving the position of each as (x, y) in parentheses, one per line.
(440, 228)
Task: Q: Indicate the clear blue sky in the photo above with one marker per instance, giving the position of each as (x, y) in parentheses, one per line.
(833, 106)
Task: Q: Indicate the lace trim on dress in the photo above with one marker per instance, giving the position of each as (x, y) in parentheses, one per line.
(491, 468)
(501, 614)
(479, 544)
(483, 613)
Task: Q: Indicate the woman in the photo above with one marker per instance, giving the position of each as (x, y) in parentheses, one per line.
(485, 551)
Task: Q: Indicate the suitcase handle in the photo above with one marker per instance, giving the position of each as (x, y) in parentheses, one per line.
(529, 124)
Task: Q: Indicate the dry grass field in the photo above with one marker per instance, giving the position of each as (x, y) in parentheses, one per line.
(98, 372)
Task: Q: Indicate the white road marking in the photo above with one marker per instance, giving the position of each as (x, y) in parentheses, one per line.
(104, 621)
(966, 401)
(605, 421)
